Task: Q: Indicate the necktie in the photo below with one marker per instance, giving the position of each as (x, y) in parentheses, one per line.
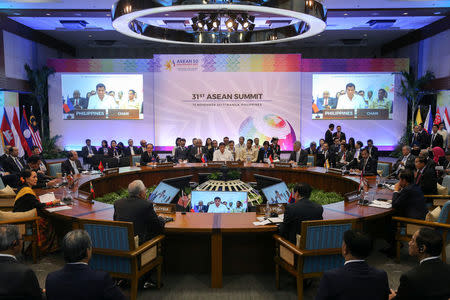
(90, 150)
(76, 102)
(132, 150)
(325, 103)
(418, 176)
(198, 151)
(19, 165)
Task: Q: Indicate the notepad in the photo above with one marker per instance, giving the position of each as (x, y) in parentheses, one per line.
(58, 208)
(46, 198)
(265, 222)
(380, 204)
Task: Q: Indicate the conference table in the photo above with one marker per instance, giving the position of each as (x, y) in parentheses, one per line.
(202, 242)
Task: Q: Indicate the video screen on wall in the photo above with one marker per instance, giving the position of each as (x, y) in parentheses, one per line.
(102, 96)
(219, 202)
(353, 96)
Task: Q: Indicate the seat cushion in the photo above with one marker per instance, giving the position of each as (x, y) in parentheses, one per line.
(442, 190)
(433, 215)
(11, 216)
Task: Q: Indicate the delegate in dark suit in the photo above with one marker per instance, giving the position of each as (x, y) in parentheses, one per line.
(9, 165)
(332, 103)
(427, 180)
(354, 281)
(373, 152)
(195, 154)
(409, 162)
(181, 153)
(323, 156)
(368, 166)
(79, 282)
(66, 167)
(428, 281)
(79, 103)
(85, 151)
(263, 153)
(436, 140)
(302, 157)
(146, 223)
(127, 151)
(295, 213)
(424, 139)
(17, 281)
(147, 158)
(341, 136)
(410, 203)
(329, 137)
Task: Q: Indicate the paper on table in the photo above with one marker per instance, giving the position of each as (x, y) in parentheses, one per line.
(265, 222)
(58, 208)
(49, 197)
(380, 204)
(276, 220)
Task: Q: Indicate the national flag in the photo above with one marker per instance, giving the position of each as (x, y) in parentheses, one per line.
(428, 125)
(446, 119)
(100, 167)
(183, 201)
(35, 131)
(7, 133)
(418, 117)
(291, 198)
(67, 105)
(315, 108)
(270, 158)
(437, 118)
(91, 189)
(327, 164)
(19, 131)
(26, 130)
(204, 159)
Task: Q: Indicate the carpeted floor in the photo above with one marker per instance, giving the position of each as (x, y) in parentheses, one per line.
(243, 286)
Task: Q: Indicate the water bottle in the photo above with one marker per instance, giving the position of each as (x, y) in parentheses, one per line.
(64, 181)
(343, 171)
(106, 166)
(267, 209)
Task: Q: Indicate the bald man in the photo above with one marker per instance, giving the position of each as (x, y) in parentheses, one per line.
(72, 165)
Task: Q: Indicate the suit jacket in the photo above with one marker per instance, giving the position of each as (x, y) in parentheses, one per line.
(66, 167)
(332, 102)
(80, 282)
(415, 140)
(210, 153)
(427, 181)
(373, 152)
(111, 152)
(348, 158)
(343, 137)
(409, 164)
(145, 158)
(146, 223)
(437, 142)
(310, 151)
(354, 281)
(410, 203)
(322, 157)
(18, 281)
(424, 139)
(302, 158)
(261, 154)
(9, 165)
(82, 103)
(370, 168)
(204, 208)
(193, 156)
(329, 137)
(127, 152)
(85, 151)
(428, 281)
(181, 153)
(295, 213)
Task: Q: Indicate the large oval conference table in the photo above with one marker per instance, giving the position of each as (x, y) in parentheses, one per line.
(218, 243)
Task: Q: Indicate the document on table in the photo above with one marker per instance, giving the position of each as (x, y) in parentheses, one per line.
(58, 208)
(381, 204)
(46, 198)
(265, 222)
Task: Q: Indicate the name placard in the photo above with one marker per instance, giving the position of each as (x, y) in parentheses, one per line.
(165, 165)
(164, 208)
(282, 165)
(235, 163)
(111, 171)
(84, 196)
(335, 171)
(216, 163)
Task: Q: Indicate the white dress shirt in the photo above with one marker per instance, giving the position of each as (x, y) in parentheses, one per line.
(429, 258)
(74, 166)
(95, 102)
(357, 102)
(214, 209)
(225, 156)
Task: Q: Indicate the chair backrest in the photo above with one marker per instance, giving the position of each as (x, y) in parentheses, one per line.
(323, 235)
(2, 185)
(54, 168)
(311, 159)
(446, 182)
(445, 211)
(135, 159)
(385, 167)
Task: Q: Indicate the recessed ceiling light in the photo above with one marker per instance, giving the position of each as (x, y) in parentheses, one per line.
(166, 15)
(16, 14)
(365, 34)
(78, 14)
(437, 13)
(90, 35)
(375, 14)
(319, 35)
(48, 14)
(405, 13)
(346, 14)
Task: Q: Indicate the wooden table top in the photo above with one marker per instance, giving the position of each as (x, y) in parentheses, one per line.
(231, 222)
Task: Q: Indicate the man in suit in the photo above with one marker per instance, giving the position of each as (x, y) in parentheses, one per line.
(406, 161)
(298, 156)
(339, 134)
(336, 146)
(200, 207)
(356, 279)
(181, 153)
(324, 155)
(71, 165)
(329, 134)
(431, 278)
(326, 102)
(194, 143)
(5, 155)
(302, 210)
(132, 150)
(196, 153)
(215, 146)
(43, 179)
(149, 156)
(18, 281)
(76, 280)
(344, 157)
(143, 147)
(408, 200)
(415, 139)
(88, 152)
(425, 177)
(14, 164)
(77, 101)
(373, 151)
(424, 137)
(138, 210)
(367, 165)
(264, 153)
(436, 140)
(312, 149)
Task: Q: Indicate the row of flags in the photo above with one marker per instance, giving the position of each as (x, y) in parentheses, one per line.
(441, 116)
(23, 134)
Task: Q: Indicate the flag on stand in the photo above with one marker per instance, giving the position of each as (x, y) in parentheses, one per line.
(91, 189)
(291, 198)
(204, 159)
(428, 125)
(327, 164)
(35, 131)
(26, 130)
(19, 131)
(418, 117)
(184, 200)
(315, 108)
(437, 118)
(67, 105)
(100, 167)
(270, 158)
(446, 119)
(7, 134)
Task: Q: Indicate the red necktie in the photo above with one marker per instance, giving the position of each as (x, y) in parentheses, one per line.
(418, 176)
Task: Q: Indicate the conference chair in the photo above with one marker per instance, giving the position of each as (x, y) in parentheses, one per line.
(385, 168)
(135, 160)
(311, 160)
(28, 227)
(319, 249)
(53, 168)
(407, 226)
(115, 250)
